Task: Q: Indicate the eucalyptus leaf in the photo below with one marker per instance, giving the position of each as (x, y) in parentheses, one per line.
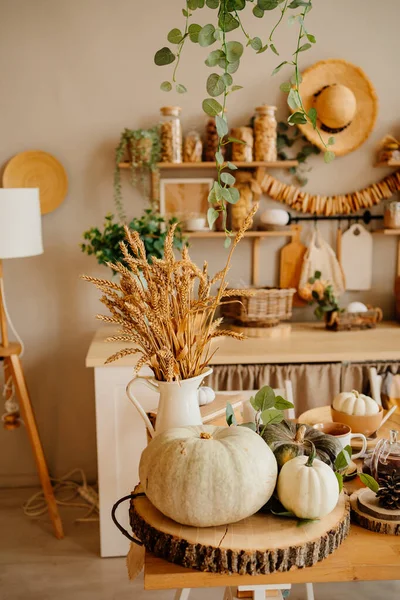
(166, 86)
(218, 191)
(194, 31)
(256, 43)
(181, 89)
(219, 157)
(285, 87)
(258, 12)
(230, 414)
(185, 13)
(215, 85)
(311, 38)
(317, 275)
(212, 198)
(236, 140)
(231, 166)
(233, 5)
(329, 156)
(293, 99)
(227, 78)
(274, 50)
(212, 216)
(211, 107)
(312, 114)
(228, 178)
(206, 35)
(279, 67)
(212, 3)
(227, 22)
(267, 4)
(303, 48)
(285, 513)
(175, 36)
(234, 194)
(233, 67)
(227, 242)
(214, 57)
(263, 49)
(297, 118)
(291, 20)
(222, 126)
(331, 141)
(192, 4)
(164, 57)
(234, 51)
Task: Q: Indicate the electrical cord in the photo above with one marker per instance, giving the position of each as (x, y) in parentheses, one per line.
(65, 491)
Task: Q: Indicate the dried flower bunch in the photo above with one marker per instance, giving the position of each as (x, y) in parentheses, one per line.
(166, 307)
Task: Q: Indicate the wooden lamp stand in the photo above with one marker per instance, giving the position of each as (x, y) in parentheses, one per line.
(9, 354)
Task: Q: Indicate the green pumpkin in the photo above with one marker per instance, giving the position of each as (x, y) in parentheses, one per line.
(288, 440)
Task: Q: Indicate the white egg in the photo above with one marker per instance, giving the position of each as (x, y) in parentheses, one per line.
(356, 307)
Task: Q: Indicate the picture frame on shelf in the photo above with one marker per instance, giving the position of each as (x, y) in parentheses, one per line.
(185, 198)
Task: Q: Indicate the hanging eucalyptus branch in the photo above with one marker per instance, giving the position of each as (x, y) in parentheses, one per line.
(227, 57)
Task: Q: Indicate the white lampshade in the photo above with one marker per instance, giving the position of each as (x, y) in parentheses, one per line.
(20, 223)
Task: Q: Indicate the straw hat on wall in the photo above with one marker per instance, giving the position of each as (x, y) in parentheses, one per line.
(345, 101)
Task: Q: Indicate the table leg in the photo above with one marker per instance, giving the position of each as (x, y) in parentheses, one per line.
(182, 594)
(309, 591)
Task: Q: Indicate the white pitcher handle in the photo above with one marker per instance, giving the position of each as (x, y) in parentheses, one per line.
(150, 383)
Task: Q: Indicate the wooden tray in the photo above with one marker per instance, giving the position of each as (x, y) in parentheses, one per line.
(261, 544)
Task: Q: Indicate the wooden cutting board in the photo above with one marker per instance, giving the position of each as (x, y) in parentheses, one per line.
(356, 259)
(292, 256)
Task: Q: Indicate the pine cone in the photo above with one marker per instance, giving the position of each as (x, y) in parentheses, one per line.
(389, 491)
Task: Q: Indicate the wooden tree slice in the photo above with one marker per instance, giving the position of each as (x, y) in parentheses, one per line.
(362, 509)
(261, 544)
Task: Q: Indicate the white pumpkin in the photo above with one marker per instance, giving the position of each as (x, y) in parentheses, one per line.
(206, 475)
(206, 395)
(356, 307)
(354, 403)
(308, 487)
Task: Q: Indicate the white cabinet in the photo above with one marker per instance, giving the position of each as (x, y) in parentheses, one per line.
(121, 437)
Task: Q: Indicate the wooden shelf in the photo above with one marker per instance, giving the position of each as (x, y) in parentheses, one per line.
(388, 231)
(248, 234)
(391, 163)
(278, 164)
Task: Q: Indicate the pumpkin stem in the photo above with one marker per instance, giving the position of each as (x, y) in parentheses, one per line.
(356, 393)
(205, 436)
(313, 454)
(300, 433)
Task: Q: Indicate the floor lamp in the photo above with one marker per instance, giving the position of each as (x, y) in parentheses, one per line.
(21, 236)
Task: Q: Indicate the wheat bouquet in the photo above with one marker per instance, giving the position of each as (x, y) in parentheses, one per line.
(166, 307)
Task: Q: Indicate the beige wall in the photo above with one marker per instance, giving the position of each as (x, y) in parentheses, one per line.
(74, 73)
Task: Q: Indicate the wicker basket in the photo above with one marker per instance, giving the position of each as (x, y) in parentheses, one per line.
(345, 321)
(266, 308)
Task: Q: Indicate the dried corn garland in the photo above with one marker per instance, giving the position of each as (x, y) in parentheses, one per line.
(331, 205)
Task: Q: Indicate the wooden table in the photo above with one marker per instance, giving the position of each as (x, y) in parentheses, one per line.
(363, 556)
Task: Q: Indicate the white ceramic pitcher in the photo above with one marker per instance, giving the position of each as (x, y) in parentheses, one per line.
(178, 405)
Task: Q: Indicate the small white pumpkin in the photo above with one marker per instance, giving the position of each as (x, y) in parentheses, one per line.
(354, 403)
(356, 307)
(307, 487)
(206, 395)
(204, 476)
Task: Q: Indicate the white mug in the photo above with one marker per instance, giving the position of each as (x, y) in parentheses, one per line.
(344, 435)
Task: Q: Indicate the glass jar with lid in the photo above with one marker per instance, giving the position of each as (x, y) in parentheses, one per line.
(386, 457)
(265, 133)
(192, 147)
(391, 217)
(171, 134)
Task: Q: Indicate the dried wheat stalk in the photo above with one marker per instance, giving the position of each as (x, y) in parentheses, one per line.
(168, 311)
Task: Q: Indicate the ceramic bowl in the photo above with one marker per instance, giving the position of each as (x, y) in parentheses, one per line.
(195, 224)
(366, 424)
(275, 216)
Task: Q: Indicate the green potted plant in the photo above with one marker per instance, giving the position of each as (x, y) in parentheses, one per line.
(141, 148)
(152, 228)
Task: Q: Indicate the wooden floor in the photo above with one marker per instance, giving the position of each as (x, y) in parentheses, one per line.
(36, 566)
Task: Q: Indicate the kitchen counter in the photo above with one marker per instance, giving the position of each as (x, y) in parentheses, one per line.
(307, 343)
